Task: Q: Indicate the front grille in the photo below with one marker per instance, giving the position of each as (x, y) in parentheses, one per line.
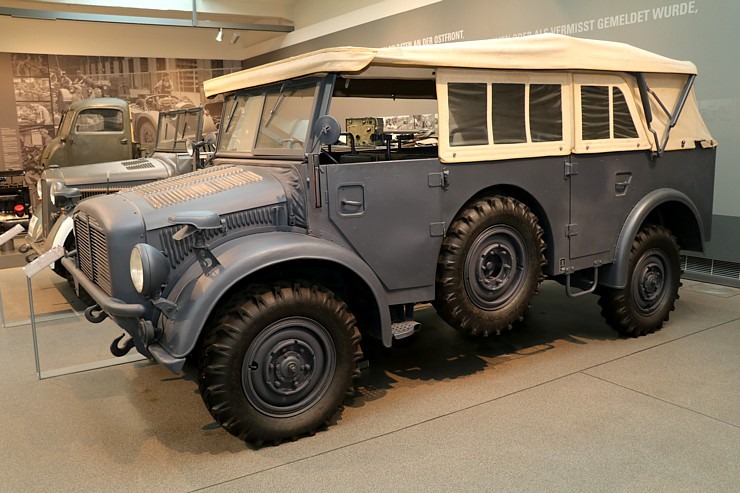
(92, 251)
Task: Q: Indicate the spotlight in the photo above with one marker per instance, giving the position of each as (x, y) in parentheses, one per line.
(234, 38)
(220, 34)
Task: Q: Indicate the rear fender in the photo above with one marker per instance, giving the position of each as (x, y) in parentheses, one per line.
(615, 275)
(196, 294)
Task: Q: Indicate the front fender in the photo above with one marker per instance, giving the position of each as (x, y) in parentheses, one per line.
(615, 275)
(196, 294)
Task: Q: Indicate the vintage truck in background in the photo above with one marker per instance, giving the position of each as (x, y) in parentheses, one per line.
(97, 130)
(59, 189)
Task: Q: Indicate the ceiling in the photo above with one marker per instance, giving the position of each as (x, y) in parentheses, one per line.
(164, 27)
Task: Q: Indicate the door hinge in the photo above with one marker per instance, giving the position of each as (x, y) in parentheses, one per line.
(440, 179)
(571, 230)
(571, 168)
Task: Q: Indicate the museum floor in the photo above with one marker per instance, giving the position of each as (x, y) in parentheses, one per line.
(560, 405)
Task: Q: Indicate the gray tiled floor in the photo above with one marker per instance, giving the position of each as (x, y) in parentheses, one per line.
(560, 405)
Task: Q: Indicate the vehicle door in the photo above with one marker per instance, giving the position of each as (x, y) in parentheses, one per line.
(98, 135)
(390, 212)
(611, 147)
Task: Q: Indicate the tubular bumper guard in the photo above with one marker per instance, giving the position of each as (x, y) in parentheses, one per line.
(110, 305)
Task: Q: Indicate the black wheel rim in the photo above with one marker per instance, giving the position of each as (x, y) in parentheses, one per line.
(495, 267)
(288, 367)
(650, 282)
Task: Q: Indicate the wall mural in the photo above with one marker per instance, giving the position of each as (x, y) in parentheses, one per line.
(44, 86)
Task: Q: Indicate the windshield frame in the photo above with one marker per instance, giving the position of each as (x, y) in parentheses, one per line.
(263, 109)
(184, 117)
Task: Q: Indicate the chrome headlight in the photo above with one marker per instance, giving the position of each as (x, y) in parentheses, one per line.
(53, 190)
(149, 269)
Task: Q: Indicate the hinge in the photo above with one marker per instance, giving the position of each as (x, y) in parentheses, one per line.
(571, 168)
(571, 230)
(440, 179)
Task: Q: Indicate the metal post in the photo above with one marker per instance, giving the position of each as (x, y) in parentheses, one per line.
(33, 329)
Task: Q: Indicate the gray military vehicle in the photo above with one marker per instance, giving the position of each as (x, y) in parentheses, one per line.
(498, 164)
(59, 189)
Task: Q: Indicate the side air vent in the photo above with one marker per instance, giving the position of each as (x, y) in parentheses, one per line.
(134, 164)
(178, 251)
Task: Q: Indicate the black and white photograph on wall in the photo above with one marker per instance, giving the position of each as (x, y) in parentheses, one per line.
(29, 65)
(32, 89)
(46, 85)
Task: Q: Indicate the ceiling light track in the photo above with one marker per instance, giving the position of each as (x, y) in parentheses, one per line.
(149, 21)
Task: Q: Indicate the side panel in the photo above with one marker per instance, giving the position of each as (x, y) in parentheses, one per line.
(601, 196)
(390, 212)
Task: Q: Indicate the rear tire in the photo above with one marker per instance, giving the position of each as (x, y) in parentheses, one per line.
(490, 266)
(651, 291)
(280, 364)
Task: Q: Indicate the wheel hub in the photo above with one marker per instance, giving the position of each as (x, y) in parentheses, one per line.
(495, 267)
(291, 366)
(288, 367)
(650, 282)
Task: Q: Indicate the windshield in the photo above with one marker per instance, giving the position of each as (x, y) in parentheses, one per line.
(176, 128)
(274, 121)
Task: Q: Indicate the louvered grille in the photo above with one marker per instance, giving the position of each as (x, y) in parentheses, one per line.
(92, 251)
(179, 251)
(134, 164)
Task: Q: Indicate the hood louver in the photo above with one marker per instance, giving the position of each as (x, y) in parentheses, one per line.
(195, 185)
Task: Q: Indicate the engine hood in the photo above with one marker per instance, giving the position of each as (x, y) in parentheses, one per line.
(133, 170)
(220, 189)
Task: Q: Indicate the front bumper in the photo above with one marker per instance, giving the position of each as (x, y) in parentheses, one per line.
(113, 307)
(129, 316)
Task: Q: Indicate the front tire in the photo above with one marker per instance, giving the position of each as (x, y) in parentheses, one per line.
(280, 364)
(490, 266)
(651, 291)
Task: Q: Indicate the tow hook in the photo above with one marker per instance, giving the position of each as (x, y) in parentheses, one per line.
(94, 314)
(117, 349)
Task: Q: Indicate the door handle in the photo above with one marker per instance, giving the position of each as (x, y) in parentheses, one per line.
(352, 203)
(124, 141)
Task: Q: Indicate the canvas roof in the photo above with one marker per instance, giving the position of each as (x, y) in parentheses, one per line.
(538, 52)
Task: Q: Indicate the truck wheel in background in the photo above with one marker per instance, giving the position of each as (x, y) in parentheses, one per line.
(280, 363)
(490, 266)
(651, 291)
(146, 134)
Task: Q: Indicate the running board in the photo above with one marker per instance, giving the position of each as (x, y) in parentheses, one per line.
(404, 329)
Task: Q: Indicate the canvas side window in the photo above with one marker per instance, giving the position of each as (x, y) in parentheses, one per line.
(624, 127)
(468, 120)
(507, 112)
(514, 114)
(546, 112)
(595, 112)
(605, 114)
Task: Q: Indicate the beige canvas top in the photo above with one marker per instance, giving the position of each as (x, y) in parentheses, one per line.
(539, 52)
